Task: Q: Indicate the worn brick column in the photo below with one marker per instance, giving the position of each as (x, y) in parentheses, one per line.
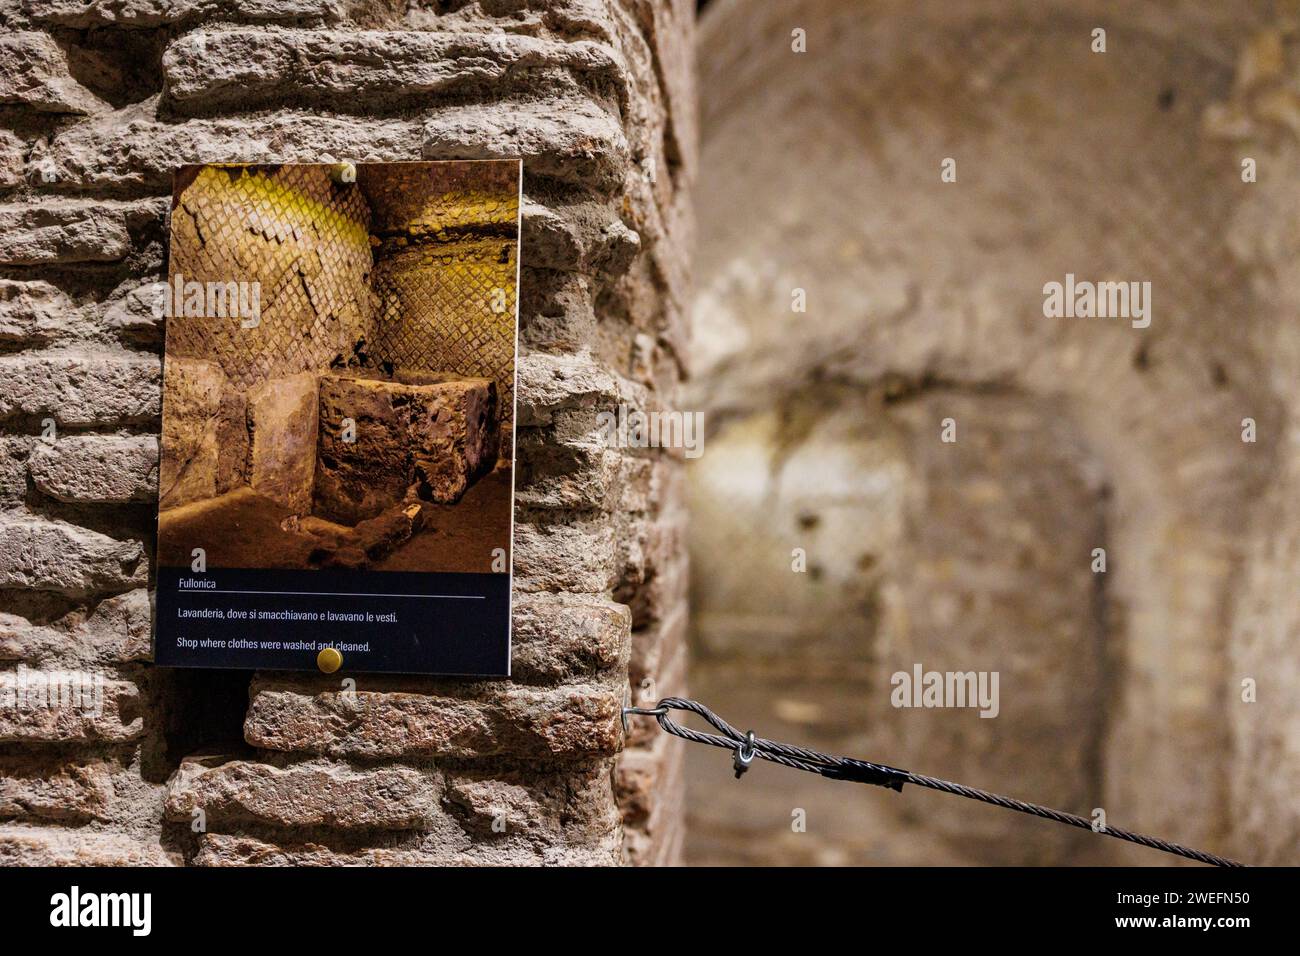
(98, 103)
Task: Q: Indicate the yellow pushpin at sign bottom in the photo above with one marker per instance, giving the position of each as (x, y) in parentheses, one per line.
(329, 660)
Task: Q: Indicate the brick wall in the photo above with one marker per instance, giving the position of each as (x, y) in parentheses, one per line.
(443, 267)
(98, 103)
(307, 245)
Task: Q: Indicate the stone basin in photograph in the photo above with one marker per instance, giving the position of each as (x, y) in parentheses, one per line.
(384, 436)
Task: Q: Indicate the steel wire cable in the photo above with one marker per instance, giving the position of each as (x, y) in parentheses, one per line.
(747, 746)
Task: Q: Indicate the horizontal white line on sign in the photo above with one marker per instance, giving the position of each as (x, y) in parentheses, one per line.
(449, 597)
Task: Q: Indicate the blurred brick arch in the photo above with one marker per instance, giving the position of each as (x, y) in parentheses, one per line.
(821, 171)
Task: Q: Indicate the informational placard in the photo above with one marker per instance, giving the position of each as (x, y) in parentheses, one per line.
(336, 481)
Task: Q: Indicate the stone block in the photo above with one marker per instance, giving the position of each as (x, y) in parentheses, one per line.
(13, 152)
(568, 476)
(33, 313)
(14, 450)
(48, 788)
(57, 706)
(438, 433)
(573, 140)
(565, 557)
(63, 230)
(59, 556)
(96, 469)
(139, 14)
(33, 846)
(570, 722)
(81, 387)
(220, 849)
(191, 420)
(34, 73)
(367, 69)
(282, 416)
(582, 236)
(557, 311)
(318, 794)
(132, 149)
(224, 850)
(551, 383)
(556, 637)
(116, 630)
(574, 808)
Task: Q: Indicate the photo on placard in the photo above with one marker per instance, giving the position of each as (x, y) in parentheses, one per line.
(336, 475)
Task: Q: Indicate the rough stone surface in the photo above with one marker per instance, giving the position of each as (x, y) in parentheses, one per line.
(572, 721)
(29, 846)
(575, 808)
(437, 435)
(66, 231)
(562, 557)
(110, 713)
(80, 387)
(33, 313)
(557, 636)
(224, 850)
(131, 149)
(58, 790)
(13, 155)
(34, 73)
(576, 141)
(96, 469)
(82, 14)
(305, 795)
(114, 631)
(209, 69)
(60, 556)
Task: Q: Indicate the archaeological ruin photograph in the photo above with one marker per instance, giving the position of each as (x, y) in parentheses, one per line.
(339, 366)
(338, 399)
(691, 435)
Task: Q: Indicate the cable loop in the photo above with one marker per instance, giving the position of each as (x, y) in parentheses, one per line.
(744, 755)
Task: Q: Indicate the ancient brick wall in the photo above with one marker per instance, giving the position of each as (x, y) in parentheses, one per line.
(444, 276)
(305, 245)
(98, 103)
(304, 241)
